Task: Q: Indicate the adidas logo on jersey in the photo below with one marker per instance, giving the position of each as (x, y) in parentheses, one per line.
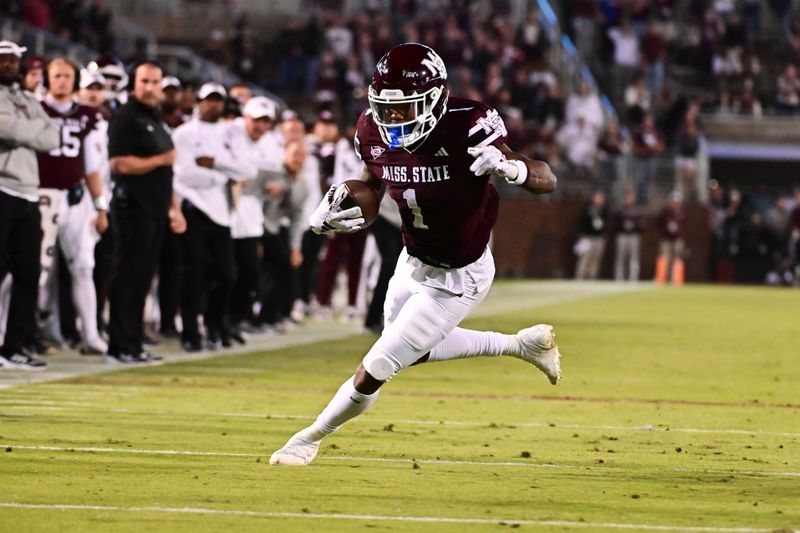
(442, 152)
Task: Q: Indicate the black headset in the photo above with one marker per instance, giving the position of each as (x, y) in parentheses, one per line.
(77, 83)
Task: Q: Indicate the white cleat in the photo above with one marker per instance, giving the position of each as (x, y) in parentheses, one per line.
(538, 347)
(296, 452)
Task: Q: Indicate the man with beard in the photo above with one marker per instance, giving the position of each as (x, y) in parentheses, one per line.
(170, 105)
(24, 129)
(142, 155)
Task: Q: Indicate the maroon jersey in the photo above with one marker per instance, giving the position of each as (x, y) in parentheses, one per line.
(63, 167)
(448, 212)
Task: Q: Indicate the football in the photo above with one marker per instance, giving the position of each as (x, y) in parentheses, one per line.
(358, 193)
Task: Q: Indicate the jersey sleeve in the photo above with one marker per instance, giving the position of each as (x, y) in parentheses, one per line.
(486, 127)
(358, 135)
(93, 150)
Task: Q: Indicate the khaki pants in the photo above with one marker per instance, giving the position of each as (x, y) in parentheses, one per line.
(671, 250)
(626, 257)
(589, 262)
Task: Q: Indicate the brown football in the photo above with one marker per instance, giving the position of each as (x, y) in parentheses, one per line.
(358, 193)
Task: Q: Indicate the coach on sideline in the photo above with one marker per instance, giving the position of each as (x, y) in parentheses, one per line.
(141, 156)
(24, 129)
(204, 167)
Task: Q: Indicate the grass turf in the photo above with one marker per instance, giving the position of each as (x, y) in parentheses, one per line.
(679, 407)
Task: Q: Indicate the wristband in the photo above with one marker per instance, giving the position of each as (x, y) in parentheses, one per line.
(100, 203)
(522, 172)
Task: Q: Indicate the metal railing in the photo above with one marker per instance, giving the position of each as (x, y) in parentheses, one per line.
(43, 43)
(564, 57)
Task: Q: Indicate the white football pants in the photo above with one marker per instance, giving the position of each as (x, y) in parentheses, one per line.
(71, 228)
(423, 305)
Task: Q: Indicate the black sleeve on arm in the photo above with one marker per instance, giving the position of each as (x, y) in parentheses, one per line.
(122, 134)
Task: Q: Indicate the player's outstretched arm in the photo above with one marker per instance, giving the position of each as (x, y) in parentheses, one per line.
(539, 179)
(517, 169)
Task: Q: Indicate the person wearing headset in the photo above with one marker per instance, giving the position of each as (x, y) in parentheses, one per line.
(141, 155)
(71, 218)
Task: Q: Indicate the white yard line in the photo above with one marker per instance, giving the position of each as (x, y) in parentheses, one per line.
(382, 518)
(449, 462)
(505, 296)
(459, 423)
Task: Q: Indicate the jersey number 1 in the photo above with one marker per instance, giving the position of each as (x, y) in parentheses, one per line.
(410, 196)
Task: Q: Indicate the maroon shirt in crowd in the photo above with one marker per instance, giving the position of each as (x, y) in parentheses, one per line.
(672, 224)
(447, 211)
(630, 220)
(63, 168)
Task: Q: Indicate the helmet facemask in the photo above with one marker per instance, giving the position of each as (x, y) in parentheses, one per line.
(406, 120)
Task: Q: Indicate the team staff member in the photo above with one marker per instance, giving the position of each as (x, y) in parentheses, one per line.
(141, 156)
(205, 165)
(24, 129)
(251, 142)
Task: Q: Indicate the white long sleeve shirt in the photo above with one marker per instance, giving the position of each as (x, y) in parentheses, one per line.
(347, 165)
(587, 106)
(95, 156)
(206, 188)
(263, 154)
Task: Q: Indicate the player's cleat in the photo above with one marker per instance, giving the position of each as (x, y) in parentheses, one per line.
(296, 452)
(538, 347)
(119, 359)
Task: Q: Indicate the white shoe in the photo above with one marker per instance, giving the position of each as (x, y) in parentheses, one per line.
(323, 314)
(538, 347)
(96, 346)
(298, 313)
(296, 452)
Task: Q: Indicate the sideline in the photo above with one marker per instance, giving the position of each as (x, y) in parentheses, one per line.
(506, 295)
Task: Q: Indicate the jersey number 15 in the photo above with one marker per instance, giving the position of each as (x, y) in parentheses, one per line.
(70, 143)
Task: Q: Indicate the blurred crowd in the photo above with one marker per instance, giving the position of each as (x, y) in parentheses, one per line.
(719, 49)
(87, 22)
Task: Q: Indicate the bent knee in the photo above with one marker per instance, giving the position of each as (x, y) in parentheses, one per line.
(380, 366)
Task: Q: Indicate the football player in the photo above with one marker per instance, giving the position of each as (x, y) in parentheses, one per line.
(69, 214)
(113, 72)
(435, 156)
(93, 94)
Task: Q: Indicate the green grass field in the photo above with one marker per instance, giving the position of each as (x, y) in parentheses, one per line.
(679, 411)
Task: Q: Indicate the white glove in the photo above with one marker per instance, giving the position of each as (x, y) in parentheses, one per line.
(327, 218)
(490, 159)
